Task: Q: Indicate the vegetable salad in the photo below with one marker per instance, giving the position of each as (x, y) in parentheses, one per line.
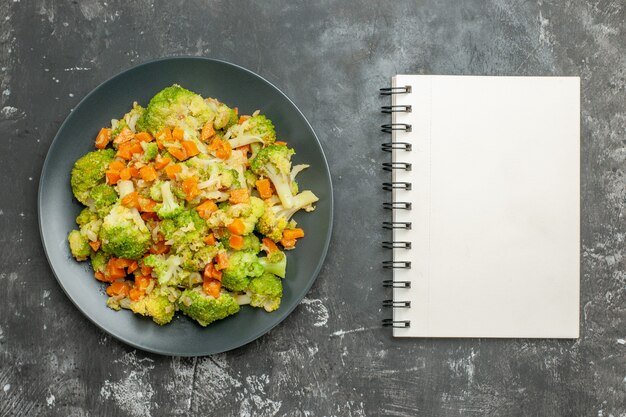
(189, 208)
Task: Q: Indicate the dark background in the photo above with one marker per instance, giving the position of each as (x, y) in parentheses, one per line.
(330, 357)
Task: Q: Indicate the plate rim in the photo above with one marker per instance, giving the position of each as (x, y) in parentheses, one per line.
(285, 313)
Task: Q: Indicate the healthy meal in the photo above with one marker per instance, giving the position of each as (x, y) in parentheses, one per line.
(189, 207)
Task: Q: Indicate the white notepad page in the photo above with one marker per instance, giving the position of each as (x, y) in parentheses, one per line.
(495, 206)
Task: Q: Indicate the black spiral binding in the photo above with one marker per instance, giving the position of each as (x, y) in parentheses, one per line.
(396, 205)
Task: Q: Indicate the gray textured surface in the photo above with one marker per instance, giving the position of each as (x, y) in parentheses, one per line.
(328, 358)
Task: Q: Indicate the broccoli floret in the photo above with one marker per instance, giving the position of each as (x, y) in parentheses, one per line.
(150, 150)
(197, 260)
(206, 309)
(104, 197)
(276, 218)
(169, 207)
(256, 129)
(185, 230)
(266, 292)
(155, 191)
(99, 261)
(225, 117)
(117, 126)
(165, 267)
(86, 216)
(274, 162)
(133, 116)
(79, 245)
(251, 178)
(275, 263)
(242, 266)
(160, 305)
(251, 243)
(175, 106)
(124, 234)
(89, 171)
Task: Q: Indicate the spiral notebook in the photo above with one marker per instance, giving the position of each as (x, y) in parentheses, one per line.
(485, 204)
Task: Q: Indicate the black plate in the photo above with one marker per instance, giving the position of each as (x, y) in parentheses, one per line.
(235, 86)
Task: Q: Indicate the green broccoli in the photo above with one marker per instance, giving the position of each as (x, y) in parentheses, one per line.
(225, 118)
(155, 191)
(251, 178)
(274, 162)
(89, 171)
(165, 267)
(86, 216)
(242, 266)
(256, 129)
(175, 106)
(266, 292)
(186, 230)
(133, 116)
(169, 207)
(248, 213)
(160, 305)
(99, 261)
(275, 263)
(276, 218)
(124, 234)
(205, 309)
(79, 245)
(197, 260)
(103, 197)
(150, 150)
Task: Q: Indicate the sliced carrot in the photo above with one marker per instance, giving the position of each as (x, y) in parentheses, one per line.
(208, 269)
(125, 174)
(264, 187)
(190, 187)
(212, 287)
(243, 119)
(160, 162)
(120, 262)
(235, 242)
(206, 208)
(95, 245)
(207, 132)
(148, 173)
(135, 147)
(134, 172)
(144, 137)
(164, 135)
(215, 274)
(123, 151)
(142, 282)
(178, 153)
(132, 267)
(210, 239)
(172, 170)
(178, 134)
(191, 149)
(269, 244)
(221, 148)
(124, 136)
(118, 288)
(136, 294)
(222, 260)
(288, 243)
(293, 234)
(117, 165)
(112, 177)
(146, 270)
(114, 272)
(280, 143)
(236, 227)
(146, 205)
(103, 138)
(149, 215)
(159, 248)
(239, 196)
(131, 200)
(100, 276)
